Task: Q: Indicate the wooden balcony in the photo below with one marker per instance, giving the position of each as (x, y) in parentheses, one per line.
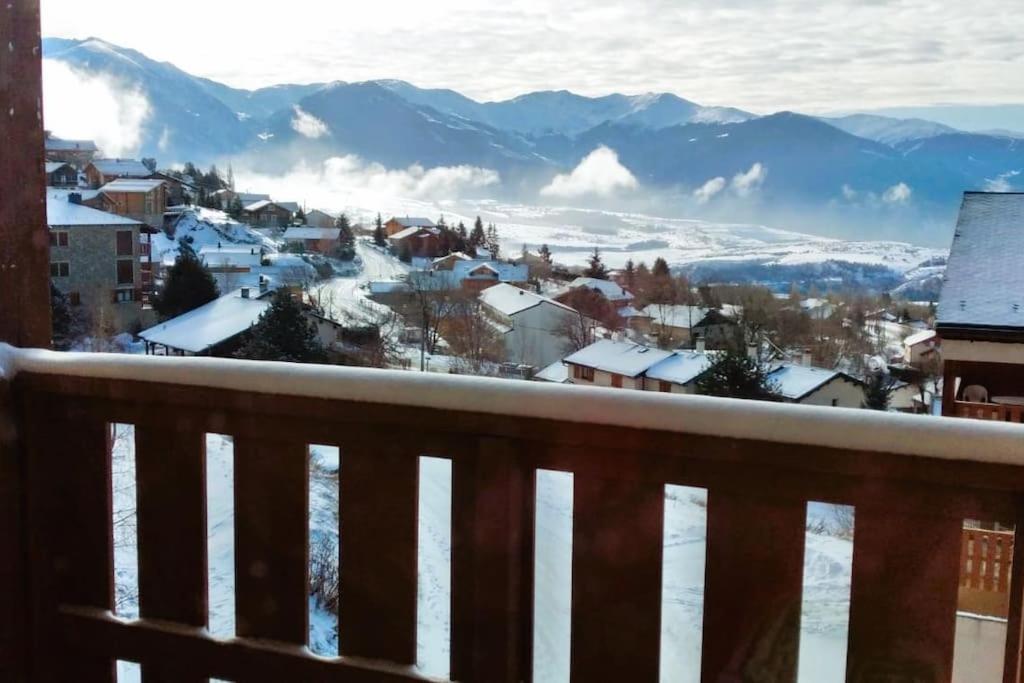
(912, 479)
(989, 411)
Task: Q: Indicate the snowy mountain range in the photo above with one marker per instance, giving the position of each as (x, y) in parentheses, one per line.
(869, 171)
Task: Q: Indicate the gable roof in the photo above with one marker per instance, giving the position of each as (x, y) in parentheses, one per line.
(610, 290)
(919, 338)
(211, 323)
(310, 233)
(677, 316)
(121, 167)
(983, 288)
(263, 204)
(132, 185)
(682, 367)
(413, 222)
(797, 381)
(61, 213)
(410, 231)
(290, 206)
(622, 358)
(60, 145)
(52, 166)
(557, 372)
(510, 300)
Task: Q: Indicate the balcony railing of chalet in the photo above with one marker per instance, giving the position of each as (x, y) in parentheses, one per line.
(989, 411)
(985, 563)
(912, 479)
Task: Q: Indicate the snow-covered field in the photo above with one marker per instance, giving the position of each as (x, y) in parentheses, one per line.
(826, 577)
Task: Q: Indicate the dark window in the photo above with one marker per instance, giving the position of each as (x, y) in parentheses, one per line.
(664, 387)
(122, 296)
(74, 298)
(60, 269)
(124, 244)
(585, 373)
(616, 381)
(58, 239)
(125, 272)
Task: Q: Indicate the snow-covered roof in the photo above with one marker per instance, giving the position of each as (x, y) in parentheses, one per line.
(622, 358)
(414, 222)
(510, 300)
(61, 213)
(457, 255)
(210, 324)
(262, 204)
(796, 381)
(234, 255)
(308, 233)
(557, 372)
(408, 232)
(290, 206)
(131, 185)
(52, 166)
(631, 312)
(60, 145)
(121, 167)
(984, 280)
(677, 316)
(920, 338)
(506, 272)
(610, 290)
(682, 367)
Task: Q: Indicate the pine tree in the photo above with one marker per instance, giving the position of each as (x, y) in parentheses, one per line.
(545, 254)
(300, 216)
(188, 285)
(596, 268)
(493, 243)
(235, 207)
(462, 241)
(282, 333)
(629, 274)
(660, 268)
(477, 238)
(379, 238)
(231, 178)
(734, 374)
(878, 391)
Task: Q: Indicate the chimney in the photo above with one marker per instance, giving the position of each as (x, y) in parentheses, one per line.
(263, 284)
(807, 358)
(245, 292)
(700, 346)
(74, 198)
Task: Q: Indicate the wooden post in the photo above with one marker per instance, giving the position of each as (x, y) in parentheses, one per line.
(24, 237)
(951, 369)
(1014, 621)
(14, 616)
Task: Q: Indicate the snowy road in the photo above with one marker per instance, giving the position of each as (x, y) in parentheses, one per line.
(346, 296)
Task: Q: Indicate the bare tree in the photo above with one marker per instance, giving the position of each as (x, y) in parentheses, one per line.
(472, 335)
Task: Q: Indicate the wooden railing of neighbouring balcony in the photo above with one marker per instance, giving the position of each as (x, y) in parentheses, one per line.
(912, 479)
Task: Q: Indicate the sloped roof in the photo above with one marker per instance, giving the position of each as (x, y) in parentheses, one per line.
(984, 281)
(610, 290)
(60, 145)
(61, 213)
(621, 358)
(409, 232)
(511, 300)
(797, 381)
(682, 367)
(210, 324)
(557, 372)
(920, 337)
(257, 205)
(52, 166)
(506, 272)
(232, 255)
(290, 206)
(414, 222)
(121, 167)
(308, 233)
(131, 185)
(677, 316)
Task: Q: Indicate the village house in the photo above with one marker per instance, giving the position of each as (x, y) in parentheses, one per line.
(177, 189)
(142, 199)
(78, 153)
(102, 171)
(417, 241)
(921, 348)
(531, 325)
(226, 196)
(315, 240)
(61, 174)
(396, 225)
(626, 365)
(980, 318)
(231, 258)
(94, 260)
(267, 214)
(315, 218)
(681, 325)
(806, 385)
(458, 271)
(612, 292)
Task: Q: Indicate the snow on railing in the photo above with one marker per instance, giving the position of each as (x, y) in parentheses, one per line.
(850, 429)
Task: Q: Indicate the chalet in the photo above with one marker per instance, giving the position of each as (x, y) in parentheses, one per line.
(980, 318)
(266, 214)
(420, 242)
(316, 240)
(472, 275)
(797, 383)
(625, 365)
(232, 258)
(78, 153)
(448, 262)
(293, 207)
(102, 171)
(921, 347)
(94, 259)
(396, 225)
(61, 174)
(227, 196)
(177, 188)
(144, 200)
(681, 325)
(531, 325)
(611, 291)
(320, 219)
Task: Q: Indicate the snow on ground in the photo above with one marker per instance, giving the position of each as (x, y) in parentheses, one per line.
(347, 295)
(826, 576)
(207, 227)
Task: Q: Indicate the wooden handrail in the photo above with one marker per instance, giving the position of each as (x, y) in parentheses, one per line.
(907, 546)
(989, 411)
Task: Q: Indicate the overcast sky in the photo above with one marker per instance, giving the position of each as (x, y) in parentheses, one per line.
(763, 55)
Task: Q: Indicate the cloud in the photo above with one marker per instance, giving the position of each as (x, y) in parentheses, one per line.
(705, 192)
(600, 173)
(343, 179)
(897, 194)
(79, 105)
(307, 125)
(1001, 183)
(849, 194)
(744, 184)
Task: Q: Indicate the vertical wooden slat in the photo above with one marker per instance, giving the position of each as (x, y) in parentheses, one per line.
(271, 539)
(492, 576)
(904, 596)
(1015, 612)
(378, 537)
(14, 580)
(24, 237)
(752, 588)
(71, 544)
(977, 551)
(170, 466)
(965, 555)
(618, 537)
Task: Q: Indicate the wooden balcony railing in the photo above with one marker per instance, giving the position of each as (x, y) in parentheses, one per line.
(986, 558)
(912, 479)
(989, 411)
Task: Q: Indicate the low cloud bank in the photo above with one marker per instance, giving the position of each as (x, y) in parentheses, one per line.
(79, 105)
(307, 125)
(599, 173)
(743, 184)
